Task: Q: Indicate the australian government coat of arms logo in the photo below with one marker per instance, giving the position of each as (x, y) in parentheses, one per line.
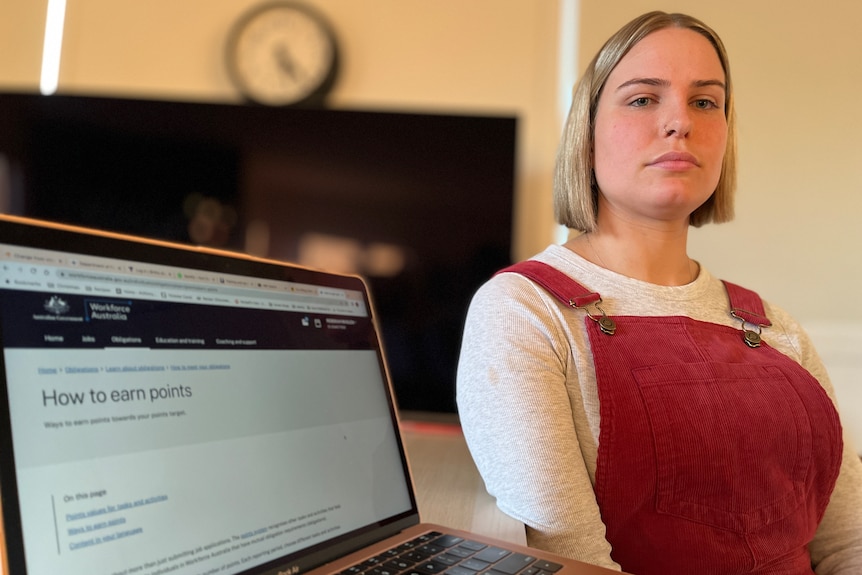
(56, 305)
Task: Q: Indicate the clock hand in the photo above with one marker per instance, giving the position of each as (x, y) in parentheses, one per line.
(285, 62)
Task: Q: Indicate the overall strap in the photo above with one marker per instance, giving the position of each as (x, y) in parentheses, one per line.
(565, 289)
(559, 285)
(746, 305)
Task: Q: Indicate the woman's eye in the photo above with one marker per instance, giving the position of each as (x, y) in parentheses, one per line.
(705, 104)
(639, 102)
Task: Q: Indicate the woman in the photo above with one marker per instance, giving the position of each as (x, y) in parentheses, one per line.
(651, 417)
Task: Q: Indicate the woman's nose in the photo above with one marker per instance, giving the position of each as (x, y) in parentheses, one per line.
(677, 122)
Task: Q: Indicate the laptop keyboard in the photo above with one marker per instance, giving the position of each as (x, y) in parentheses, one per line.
(436, 553)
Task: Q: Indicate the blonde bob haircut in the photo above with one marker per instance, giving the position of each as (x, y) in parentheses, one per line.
(575, 188)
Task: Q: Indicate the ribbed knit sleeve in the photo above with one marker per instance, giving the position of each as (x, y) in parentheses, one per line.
(518, 419)
(837, 545)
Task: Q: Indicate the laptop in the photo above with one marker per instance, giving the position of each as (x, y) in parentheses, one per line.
(167, 409)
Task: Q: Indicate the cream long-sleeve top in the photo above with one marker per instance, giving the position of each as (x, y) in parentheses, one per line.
(529, 405)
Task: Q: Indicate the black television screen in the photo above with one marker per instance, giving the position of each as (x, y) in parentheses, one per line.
(419, 204)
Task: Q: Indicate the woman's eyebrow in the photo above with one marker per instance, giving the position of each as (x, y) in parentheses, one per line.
(644, 81)
(704, 83)
(664, 83)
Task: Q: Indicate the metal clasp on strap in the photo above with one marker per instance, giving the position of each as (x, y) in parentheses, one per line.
(606, 324)
(750, 337)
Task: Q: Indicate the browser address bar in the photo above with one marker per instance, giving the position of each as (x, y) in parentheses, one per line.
(110, 278)
(131, 281)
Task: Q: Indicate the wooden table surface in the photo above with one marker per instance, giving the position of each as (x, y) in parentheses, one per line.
(449, 490)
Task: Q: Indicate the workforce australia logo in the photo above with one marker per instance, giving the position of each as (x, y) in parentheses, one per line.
(56, 305)
(107, 310)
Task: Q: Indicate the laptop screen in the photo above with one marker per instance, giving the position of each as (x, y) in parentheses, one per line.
(172, 410)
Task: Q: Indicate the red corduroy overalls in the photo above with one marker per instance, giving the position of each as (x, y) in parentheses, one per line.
(716, 456)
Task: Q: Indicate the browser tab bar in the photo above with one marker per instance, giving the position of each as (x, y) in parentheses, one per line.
(40, 272)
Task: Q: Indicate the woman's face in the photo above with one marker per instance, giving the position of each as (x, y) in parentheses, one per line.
(660, 129)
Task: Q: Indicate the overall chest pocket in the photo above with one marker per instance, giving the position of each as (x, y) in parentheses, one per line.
(733, 442)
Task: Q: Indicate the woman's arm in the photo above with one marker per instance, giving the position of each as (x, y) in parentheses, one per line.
(837, 545)
(518, 421)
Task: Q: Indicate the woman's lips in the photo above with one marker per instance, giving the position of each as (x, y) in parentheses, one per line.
(675, 161)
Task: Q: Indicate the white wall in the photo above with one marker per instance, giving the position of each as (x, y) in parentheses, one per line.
(795, 66)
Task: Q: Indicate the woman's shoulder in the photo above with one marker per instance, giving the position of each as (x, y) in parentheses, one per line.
(508, 284)
(789, 335)
(785, 332)
(513, 301)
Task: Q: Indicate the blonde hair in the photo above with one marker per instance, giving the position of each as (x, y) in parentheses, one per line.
(575, 188)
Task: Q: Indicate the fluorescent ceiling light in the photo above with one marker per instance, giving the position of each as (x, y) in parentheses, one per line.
(53, 46)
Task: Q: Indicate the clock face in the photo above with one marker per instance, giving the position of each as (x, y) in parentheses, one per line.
(282, 54)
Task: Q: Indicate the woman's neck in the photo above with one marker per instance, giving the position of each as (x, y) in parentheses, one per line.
(654, 256)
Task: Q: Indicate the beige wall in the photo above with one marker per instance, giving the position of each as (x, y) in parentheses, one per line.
(797, 235)
(796, 238)
(795, 66)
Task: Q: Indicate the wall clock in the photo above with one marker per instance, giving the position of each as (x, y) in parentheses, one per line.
(281, 54)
